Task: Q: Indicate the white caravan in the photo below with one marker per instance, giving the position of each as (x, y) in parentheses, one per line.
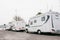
(18, 25)
(47, 22)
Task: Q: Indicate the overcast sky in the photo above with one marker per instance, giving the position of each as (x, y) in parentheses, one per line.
(25, 8)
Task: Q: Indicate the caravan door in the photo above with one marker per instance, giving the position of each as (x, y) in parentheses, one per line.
(56, 22)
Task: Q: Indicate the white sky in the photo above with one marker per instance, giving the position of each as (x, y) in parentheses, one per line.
(25, 8)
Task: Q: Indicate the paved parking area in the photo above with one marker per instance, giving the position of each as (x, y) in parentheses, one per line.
(10, 35)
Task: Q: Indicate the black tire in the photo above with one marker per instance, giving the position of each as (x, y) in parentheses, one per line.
(26, 30)
(38, 31)
(21, 30)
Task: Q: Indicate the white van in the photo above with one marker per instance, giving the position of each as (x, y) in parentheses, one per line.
(18, 26)
(47, 22)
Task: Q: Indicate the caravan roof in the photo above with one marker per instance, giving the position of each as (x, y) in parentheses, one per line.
(50, 12)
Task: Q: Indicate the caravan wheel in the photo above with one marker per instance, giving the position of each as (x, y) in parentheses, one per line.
(39, 32)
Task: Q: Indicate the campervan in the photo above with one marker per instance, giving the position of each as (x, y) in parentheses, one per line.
(18, 26)
(46, 22)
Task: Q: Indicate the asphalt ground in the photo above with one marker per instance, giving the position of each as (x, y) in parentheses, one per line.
(12, 35)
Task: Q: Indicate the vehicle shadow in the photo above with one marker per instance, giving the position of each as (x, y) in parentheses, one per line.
(16, 31)
(50, 34)
(47, 34)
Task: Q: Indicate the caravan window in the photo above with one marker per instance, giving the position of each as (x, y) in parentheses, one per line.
(35, 21)
(43, 18)
(31, 23)
(57, 15)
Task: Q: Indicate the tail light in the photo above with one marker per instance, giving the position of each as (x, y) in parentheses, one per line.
(21, 27)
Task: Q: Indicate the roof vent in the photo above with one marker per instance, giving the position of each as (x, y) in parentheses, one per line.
(39, 13)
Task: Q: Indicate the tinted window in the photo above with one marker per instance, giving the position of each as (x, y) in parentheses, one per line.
(35, 21)
(57, 15)
(31, 23)
(43, 19)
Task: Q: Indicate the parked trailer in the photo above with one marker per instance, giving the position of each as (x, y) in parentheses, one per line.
(47, 22)
(18, 26)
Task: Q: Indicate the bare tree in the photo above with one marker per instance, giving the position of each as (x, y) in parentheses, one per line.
(17, 18)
